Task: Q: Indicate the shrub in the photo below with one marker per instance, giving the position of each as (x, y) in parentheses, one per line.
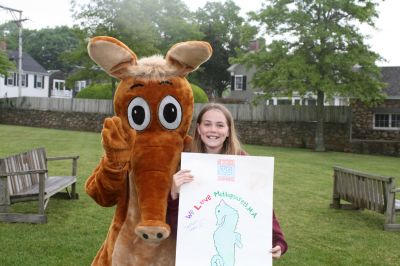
(199, 95)
(96, 91)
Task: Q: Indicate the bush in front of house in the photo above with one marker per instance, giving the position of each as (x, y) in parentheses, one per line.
(198, 94)
(96, 91)
(103, 91)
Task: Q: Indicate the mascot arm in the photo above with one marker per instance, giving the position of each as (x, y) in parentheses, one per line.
(106, 183)
(110, 176)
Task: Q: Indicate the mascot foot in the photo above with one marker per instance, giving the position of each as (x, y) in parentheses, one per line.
(152, 231)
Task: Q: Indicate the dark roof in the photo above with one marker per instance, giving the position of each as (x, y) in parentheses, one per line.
(391, 76)
(28, 63)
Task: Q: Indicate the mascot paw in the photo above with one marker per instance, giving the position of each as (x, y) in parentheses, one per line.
(152, 231)
(118, 141)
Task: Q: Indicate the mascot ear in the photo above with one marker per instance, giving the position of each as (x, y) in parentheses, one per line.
(186, 57)
(112, 55)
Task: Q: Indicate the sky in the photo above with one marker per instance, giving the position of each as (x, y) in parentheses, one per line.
(50, 13)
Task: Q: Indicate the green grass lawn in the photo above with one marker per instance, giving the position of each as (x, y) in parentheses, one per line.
(317, 235)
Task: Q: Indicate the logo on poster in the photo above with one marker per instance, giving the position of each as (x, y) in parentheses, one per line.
(226, 170)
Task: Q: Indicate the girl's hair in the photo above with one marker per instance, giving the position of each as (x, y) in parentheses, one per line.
(231, 144)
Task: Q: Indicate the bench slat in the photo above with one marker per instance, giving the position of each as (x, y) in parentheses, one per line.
(30, 160)
(52, 185)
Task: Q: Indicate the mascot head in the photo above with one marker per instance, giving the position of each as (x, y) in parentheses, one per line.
(155, 99)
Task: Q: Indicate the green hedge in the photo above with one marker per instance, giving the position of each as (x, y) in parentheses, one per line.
(103, 91)
(96, 91)
(199, 95)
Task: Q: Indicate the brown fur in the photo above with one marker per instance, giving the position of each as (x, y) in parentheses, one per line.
(136, 169)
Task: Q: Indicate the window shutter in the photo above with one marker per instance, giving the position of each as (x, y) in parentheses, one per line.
(244, 82)
(42, 81)
(232, 83)
(5, 79)
(15, 79)
(34, 81)
(26, 80)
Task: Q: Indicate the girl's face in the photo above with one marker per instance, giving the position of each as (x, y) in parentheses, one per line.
(213, 130)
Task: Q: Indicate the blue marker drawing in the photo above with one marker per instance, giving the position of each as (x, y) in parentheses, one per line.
(225, 237)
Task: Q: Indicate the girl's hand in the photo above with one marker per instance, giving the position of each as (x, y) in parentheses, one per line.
(276, 252)
(178, 179)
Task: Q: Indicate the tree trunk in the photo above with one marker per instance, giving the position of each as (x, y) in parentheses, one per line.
(319, 131)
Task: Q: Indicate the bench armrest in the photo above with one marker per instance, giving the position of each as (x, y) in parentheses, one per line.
(76, 157)
(74, 161)
(39, 171)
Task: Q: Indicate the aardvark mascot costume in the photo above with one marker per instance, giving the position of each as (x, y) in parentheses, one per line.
(142, 145)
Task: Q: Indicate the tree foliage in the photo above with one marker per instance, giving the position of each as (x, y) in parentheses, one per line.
(226, 31)
(5, 64)
(148, 27)
(316, 47)
(47, 46)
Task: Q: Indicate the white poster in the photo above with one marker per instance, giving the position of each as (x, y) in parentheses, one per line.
(225, 213)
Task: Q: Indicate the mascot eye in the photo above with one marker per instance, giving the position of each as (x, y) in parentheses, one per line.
(170, 113)
(138, 114)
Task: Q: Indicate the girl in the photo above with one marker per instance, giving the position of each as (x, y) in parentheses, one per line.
(215, 133)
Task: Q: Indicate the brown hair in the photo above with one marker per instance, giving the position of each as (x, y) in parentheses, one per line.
(231, 144)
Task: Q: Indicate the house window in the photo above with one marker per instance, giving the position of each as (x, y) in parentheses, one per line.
(386, 121)
(39, 81)
(80, 84)
(10, 79)
(58, 84)
(395, 121)
(238, 82)
(24, 80)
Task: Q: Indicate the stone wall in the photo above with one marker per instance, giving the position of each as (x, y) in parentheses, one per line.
(285, 134)
(50, 119)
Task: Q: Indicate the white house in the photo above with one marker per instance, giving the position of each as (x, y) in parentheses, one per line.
(34, 82)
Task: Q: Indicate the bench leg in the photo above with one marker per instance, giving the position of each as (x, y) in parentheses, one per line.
(390, 222)
(73, 191)
(335, 202)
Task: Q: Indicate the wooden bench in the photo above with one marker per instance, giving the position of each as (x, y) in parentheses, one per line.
(23, 177)
(366, 191)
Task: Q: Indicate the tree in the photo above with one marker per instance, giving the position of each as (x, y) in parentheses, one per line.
(5, 64)
(317, 47)
(48, 46)
(148, 27)
(226, 31)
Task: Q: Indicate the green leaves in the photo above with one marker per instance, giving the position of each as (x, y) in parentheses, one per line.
(319, 49)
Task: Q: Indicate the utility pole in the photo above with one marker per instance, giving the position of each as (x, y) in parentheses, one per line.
(19, 24)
